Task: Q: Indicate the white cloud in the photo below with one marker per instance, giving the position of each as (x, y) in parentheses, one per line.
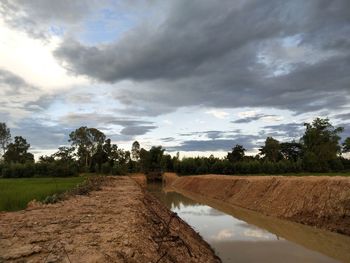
(32, 60)
(256, 233)
(222, 235)
(272, 118)
(250, 113)
(168, 122)
(218, 114)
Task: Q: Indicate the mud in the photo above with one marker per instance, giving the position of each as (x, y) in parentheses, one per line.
(323, 202)
(119, 223)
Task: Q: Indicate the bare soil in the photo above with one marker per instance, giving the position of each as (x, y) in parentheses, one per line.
(319, 201)
(119, 223)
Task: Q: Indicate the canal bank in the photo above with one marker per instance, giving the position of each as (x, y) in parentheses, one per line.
(241, 235)
(323, 202)
(119, 223)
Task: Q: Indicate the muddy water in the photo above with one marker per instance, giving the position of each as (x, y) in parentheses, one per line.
(239, 235)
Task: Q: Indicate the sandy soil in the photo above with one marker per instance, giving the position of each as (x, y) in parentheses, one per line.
(120, 223)
(318, 201)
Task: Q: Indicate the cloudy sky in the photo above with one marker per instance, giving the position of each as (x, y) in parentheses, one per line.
(195, 76)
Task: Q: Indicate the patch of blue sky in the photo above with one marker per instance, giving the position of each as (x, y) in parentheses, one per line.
(106, 27)
(59, 108)
(56, 30)
(292, 41)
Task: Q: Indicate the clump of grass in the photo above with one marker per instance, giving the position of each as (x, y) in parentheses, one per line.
(93, 183)
(90, 184)
(51, 199)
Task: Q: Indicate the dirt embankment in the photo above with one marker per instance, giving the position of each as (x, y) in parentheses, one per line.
(323, 202)
(120, 223)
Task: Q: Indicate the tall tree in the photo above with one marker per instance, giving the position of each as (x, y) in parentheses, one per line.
(237, 153)
(151, 161)
(5, 137)
(291, 150)
(99, 157)
(135, 151)
(271, 150)
(123, 157)
(87, 141)
(114, 154)
(17, 152)
(64, 154)
(320, 144)
(346, 145)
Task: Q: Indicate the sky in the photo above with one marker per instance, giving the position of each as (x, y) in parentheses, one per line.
(194, 76)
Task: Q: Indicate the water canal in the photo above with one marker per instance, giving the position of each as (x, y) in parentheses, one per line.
(239, 235)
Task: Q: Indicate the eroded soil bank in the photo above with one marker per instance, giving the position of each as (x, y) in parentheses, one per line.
(323, 202)
(120, 223)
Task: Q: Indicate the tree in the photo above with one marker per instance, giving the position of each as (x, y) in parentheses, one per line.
(5, 137)
(99, 157)
(64, 154)
(237, 153)
(17, 152)
(167, 163)
(291, 150)
(46, 159)
(87, 140)
(151, 161)
(114, 154)
(320, 144)
(271, 150)
(107, 147)
(123, 157)
(346, 145)
(135, 151)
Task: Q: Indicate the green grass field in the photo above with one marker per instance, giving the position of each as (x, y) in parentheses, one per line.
(16, 193)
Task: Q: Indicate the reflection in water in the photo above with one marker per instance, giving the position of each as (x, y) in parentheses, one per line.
(235, 240)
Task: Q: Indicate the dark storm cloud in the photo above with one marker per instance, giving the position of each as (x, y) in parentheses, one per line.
(131, 127)
(207, 54)
(34, 17)
(8, 78)
(286, 130)
(343, 116)
(17, 97)
(50, 136)
(248, 141)
(212, 134)
(253, 118)
(167, 139)
(346, 132)
(12, 83)
(137, 130)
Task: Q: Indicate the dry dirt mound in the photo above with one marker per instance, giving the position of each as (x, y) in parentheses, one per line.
(318, 201)
(119, 223)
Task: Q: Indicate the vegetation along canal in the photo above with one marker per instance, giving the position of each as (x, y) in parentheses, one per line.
(239, 235)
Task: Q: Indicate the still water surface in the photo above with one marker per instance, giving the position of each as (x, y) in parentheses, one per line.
(239, 235)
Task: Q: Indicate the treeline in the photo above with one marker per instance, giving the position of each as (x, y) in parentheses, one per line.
(212, 165)
(90, 151)
(318, 150)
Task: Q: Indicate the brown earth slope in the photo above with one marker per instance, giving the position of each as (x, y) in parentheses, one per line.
(120, 223)
(318, 201)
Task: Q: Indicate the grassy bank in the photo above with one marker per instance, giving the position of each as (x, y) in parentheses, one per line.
(16, 193)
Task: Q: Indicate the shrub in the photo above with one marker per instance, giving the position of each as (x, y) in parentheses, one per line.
(119, 170)
(106, 168)
(54, 169)
(336, 165)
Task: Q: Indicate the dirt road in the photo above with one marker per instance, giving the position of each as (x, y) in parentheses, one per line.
(119, 223)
